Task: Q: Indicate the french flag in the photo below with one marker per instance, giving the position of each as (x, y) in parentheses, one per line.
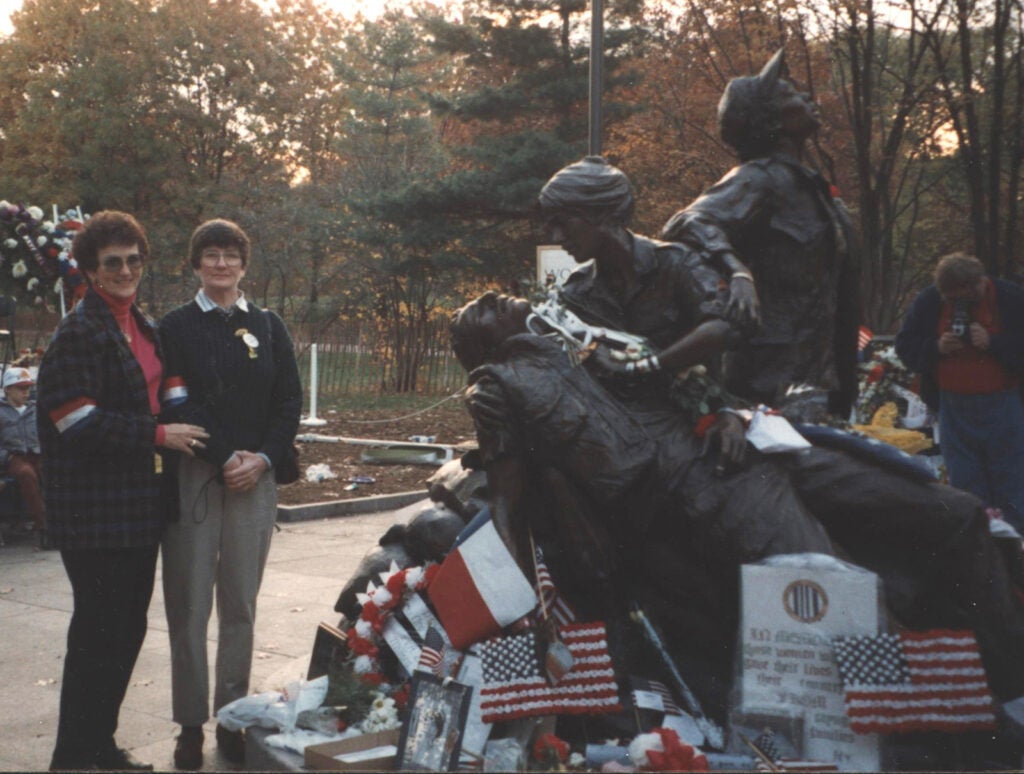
(479, 589)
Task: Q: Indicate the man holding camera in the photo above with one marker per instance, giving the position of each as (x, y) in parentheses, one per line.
(964, 335)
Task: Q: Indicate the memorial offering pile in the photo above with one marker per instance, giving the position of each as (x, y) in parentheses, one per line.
(477, 669)
(450, 657)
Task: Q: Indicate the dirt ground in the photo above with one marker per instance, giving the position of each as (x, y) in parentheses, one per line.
(449, 424)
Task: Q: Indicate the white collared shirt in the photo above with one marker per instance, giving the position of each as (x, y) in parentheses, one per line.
(207, 305)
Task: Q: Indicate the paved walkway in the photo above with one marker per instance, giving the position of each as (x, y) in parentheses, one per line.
(309, 562)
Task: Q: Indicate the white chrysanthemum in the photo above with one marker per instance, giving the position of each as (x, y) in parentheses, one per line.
(10, 244)
(383, 715)
(413, 577)
(364, 629)
(362, 665)
(4, 203)
(48, 226)
(576, 760)
(33, 283)
(381, 597)
(640, 745)
(41, 241)
(36, 213)
(19, 270)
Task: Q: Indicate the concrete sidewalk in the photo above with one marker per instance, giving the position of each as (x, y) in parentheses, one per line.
(309, 562)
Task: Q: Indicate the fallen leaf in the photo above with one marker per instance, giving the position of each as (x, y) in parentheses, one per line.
(47, 681)
(6, 590)
(262, 656)
(142, 683)
(297, 609)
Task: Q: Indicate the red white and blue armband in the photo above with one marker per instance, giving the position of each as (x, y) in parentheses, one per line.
(71, 414)
(174, 392)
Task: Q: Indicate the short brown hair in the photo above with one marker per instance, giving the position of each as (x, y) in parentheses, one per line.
(106, 228)
(957, 270)
(217, 233)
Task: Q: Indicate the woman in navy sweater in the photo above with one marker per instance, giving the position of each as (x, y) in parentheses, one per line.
(231, 368)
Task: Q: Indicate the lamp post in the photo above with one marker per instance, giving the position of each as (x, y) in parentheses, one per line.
(596, 74)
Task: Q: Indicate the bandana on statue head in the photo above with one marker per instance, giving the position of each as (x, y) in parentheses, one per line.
(592, 187)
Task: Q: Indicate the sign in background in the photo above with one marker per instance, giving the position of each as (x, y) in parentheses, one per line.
(790, 614)
(553, 261)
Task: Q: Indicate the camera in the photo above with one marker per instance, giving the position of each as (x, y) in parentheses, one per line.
(960, 323)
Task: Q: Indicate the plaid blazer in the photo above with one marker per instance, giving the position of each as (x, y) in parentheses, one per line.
(102, 482)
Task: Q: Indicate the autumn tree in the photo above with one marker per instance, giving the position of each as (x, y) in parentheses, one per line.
(977, 48)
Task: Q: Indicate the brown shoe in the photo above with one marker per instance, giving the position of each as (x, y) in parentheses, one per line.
(231, 744)
(188, 752)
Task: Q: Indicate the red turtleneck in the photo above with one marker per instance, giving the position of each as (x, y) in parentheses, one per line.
(142, 347)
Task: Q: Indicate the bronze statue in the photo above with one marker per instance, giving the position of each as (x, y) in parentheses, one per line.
(662, 291)
(638, 505)
(780, 218)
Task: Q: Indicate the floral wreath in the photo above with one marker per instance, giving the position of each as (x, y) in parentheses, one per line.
(37, 251)
(377, 603)
(878, 375)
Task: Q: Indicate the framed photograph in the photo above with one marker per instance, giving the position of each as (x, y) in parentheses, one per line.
(431, 738)
(329, 645)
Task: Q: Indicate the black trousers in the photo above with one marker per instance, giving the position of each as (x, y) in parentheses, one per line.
(112, 588)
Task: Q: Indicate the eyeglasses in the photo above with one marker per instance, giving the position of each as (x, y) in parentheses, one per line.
(213, 257)
(115, 263)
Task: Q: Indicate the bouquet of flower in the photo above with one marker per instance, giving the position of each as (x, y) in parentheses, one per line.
(35, 253)
(879, 377)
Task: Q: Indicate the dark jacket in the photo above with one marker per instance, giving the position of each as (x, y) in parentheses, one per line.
(246, 398)
(101, 481)
(18, 434)
(917, 343)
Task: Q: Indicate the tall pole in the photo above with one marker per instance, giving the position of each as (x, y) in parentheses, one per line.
(596, 74)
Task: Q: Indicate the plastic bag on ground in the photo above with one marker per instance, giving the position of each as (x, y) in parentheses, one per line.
(274, 709)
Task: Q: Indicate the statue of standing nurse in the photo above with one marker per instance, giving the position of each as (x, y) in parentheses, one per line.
(780, 219)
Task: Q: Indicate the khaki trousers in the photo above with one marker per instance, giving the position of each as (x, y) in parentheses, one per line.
(221, 539)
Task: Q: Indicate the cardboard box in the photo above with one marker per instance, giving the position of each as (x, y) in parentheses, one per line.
(323, 757)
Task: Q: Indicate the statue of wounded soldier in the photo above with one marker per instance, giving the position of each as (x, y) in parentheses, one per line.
(634, 505)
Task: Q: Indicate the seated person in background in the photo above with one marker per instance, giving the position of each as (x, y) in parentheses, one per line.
(641, 499)
(19, 444)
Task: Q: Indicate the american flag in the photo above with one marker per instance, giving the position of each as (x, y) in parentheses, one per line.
(864, 336)
(433, 653)
(768, 747)
(914, 681)
(513, 678)
(658, 688)
(548, 596)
